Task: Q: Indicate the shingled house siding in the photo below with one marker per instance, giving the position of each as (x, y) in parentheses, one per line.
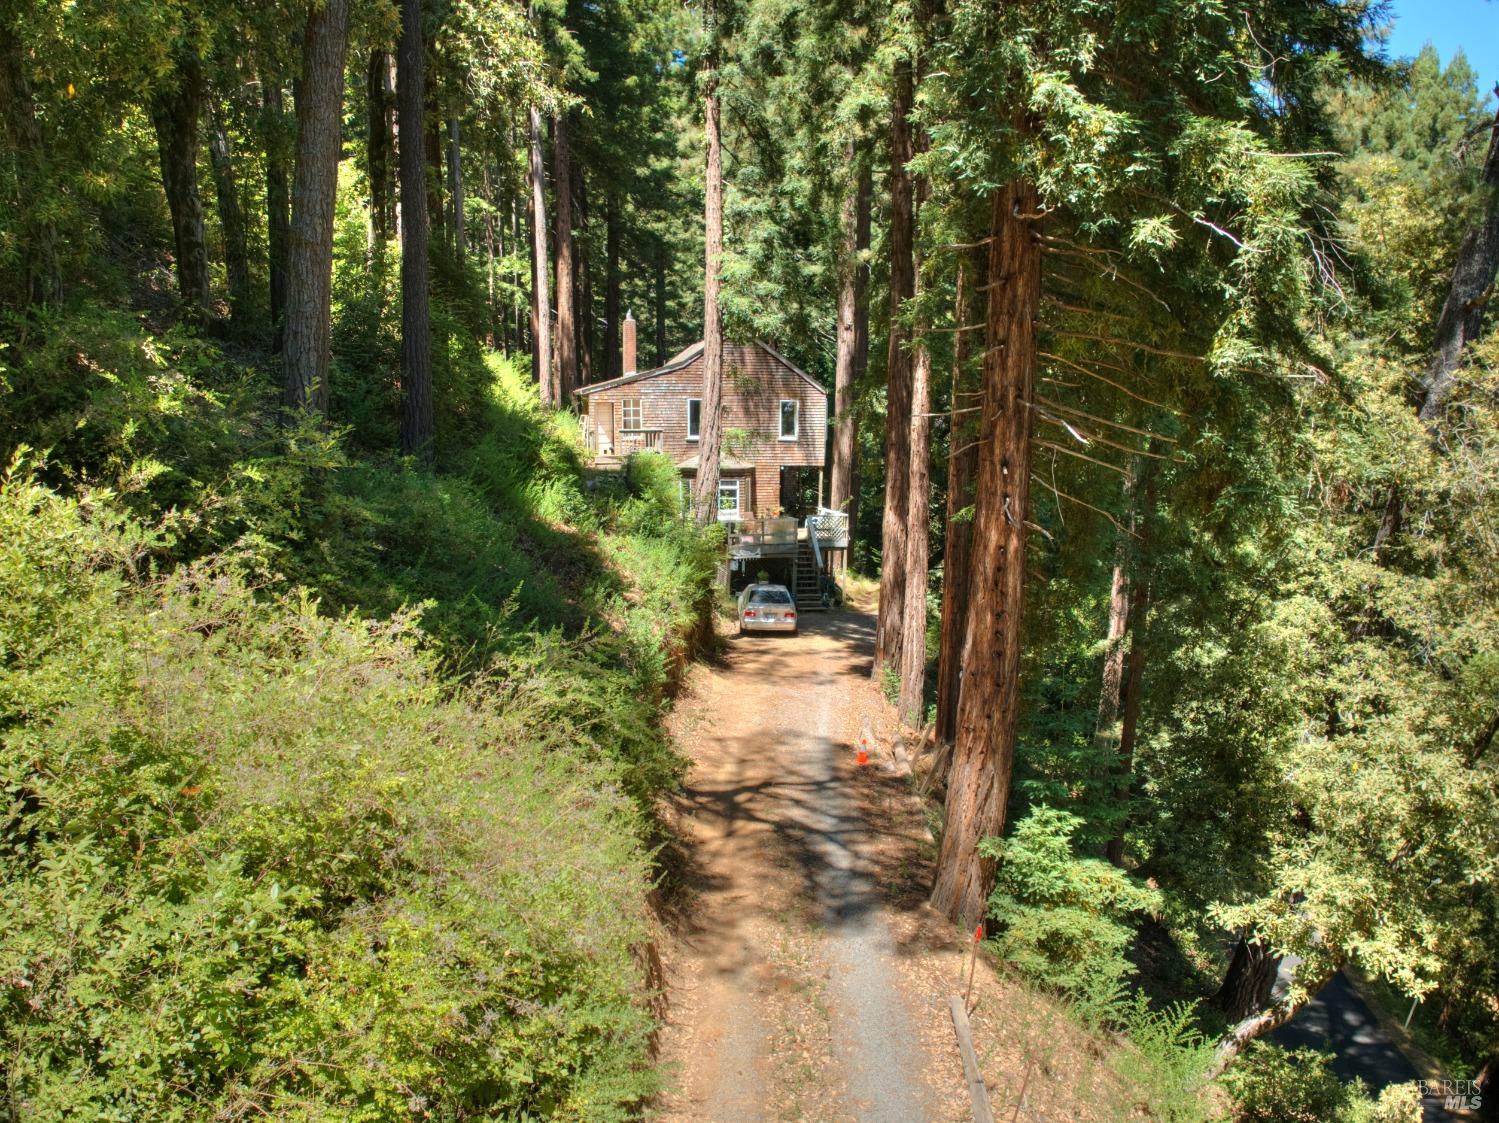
(755, 383)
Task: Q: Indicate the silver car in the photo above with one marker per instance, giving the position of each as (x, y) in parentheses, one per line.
(767, 608)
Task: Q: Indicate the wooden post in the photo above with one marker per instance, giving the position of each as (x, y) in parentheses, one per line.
(978, 1094)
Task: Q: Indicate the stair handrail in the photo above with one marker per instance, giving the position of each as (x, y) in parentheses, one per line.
(816, 549)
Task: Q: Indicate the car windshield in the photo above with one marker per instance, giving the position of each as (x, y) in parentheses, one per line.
(770, 596)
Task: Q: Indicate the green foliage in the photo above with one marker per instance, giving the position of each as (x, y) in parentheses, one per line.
(656, 484)
(260, 854)
(1064, 918)
(1275, 1085)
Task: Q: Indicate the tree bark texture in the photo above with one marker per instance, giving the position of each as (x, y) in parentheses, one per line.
(541, 304)
(1257, 1025)
(455, 189)
(309, 273)
(912, 703)
(380, 143)
(565, 346)
(277, 204)
(660, 295)
(231, 218)
(585, 288)
(850, 293)
(706, 493)
(175, 113)
(898, 381)
(42, 283)
(962, 464)
(432, 141)
(1132, 645)
(612, 296)
(984, 747)
(417, 428)
(1249, 980)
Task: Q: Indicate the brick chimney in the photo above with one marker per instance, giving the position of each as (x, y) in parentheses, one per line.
(628, 335)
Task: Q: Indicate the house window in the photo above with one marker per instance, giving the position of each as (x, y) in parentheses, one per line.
(790, 419)
(728, 500)
(694, 418)
(630, 411)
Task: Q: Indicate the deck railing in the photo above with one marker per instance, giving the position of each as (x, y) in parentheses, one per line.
(637, 440)
(828, 529)
(765, 537)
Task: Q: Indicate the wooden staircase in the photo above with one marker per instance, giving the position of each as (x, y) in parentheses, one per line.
(805, 587)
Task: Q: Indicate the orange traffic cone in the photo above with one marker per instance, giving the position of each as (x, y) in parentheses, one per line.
(863, 757)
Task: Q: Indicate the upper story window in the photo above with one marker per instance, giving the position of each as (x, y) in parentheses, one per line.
(694, 418)
(630, 414)
(790, 419)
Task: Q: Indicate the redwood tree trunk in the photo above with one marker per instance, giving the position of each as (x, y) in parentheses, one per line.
(984, 748)
(660, 295)
(432, 141)
(1133, 651)
(585, 291)
(455, 190)
(962, 463)
(416, 332)
(566, 343)
(277, 204)
(174, 115)
(380, 109)
(231, 219)
(310, 255)
(898, 381)
(840, 477)
(612, 356)
(22, 130)
(541, 305)
(706, 493)
(913, 626)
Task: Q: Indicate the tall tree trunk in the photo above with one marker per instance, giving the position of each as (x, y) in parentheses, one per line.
(850, 284)
(174, 115)
(541, 304)
(566, 344)
(380, 141)
(585, 290)
(417, 431)
(432, 141)
(1460, 321)
(277, 204)
(706, 493)
(984, 748)
(1132, 646)
(660, 295)
(455, 190)
(612, 296)
(898, 380)
(861, 338)
(43, 278)
(490, 318)
(231, 219)
(962, 464)
(309, 274)
(912, 704)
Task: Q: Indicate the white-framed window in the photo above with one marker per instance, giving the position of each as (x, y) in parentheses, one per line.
(694, 418)
(630, 414)
(790, 419)
(729, 507)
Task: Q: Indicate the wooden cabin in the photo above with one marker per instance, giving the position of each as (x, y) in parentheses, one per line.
(775, 430)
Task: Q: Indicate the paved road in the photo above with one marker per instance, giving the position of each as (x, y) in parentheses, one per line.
(1339, 1021)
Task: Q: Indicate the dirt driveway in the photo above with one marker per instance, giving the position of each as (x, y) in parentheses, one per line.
(785, 994)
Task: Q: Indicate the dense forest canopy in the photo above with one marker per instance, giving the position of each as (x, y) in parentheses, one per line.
(1165, 406)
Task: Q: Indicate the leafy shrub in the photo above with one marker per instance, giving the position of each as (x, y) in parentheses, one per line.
(656, 484)
(1270, 1084)
(1063, 917)
(257, 857)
